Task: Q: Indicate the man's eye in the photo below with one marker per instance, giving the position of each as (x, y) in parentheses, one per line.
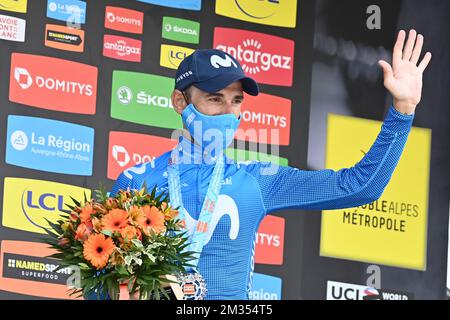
(214, 99)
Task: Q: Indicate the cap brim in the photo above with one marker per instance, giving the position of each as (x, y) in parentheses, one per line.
(222, 81)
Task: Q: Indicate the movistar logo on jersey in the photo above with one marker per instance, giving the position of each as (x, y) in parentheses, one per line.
(143, 98)
(180, 4)
(49, 145)
(265, 287)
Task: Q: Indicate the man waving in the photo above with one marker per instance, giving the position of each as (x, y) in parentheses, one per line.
(223, 202)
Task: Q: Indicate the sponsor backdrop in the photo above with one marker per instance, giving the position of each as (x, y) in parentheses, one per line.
(85, 94)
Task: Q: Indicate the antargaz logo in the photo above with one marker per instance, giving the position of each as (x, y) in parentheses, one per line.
(122, 48)
(268, 59)
(144, 99)
(281, 13)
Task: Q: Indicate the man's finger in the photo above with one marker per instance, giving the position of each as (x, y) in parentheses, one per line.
(417, 49)
(426, 60)
(398, 48)
(407, 52)
(387, 70)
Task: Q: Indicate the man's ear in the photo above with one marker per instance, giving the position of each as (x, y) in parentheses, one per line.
(178, 102)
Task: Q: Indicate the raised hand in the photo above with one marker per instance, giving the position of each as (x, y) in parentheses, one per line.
(404, 78)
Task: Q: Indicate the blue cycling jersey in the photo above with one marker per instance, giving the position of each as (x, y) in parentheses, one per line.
(251, 190)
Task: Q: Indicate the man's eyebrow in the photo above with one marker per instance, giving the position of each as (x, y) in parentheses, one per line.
(216, 94)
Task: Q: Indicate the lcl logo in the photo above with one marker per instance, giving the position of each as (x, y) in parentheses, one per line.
(46, 201)
(178, 55)
(49, 202)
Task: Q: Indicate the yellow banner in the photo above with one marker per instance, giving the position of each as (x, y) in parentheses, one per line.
(14, 5)
(27, 203)
(171, 56)
(280, 13)
(392, 230)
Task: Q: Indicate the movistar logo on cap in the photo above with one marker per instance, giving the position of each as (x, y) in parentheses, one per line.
(218, 61)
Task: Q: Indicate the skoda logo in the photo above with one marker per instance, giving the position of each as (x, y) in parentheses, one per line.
(124, 95)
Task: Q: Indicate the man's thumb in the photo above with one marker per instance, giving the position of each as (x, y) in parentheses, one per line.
(387, 69)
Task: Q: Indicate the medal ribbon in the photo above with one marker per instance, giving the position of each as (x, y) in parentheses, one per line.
(198, 234)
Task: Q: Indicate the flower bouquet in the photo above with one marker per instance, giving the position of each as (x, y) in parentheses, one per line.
(131, 240)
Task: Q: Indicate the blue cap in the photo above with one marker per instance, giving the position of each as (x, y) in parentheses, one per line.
(211, 70)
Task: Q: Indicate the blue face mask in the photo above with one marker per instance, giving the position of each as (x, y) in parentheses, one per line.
(212, 132)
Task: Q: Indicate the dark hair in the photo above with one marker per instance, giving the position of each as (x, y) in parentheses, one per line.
(187, 93)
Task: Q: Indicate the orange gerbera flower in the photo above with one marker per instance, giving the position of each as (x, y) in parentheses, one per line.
(86, 212)
(154, 220)
(97, 250)
(115, 220)
(82, 232)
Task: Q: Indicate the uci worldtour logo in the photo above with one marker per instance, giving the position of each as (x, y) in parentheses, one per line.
(347, 291)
